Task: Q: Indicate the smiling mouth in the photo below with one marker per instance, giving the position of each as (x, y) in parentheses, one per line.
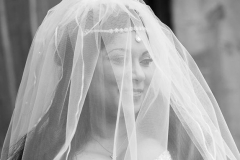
(137, 92)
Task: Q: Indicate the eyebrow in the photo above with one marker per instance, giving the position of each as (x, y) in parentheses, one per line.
(122, 49)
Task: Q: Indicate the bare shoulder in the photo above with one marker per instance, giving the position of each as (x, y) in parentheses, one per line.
(90, 155)
(149, 149)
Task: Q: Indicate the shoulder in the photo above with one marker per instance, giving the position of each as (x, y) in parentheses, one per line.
(90, 155)
(149, 149)
(90, 152)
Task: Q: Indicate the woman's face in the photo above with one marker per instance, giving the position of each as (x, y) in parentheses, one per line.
(116, 66)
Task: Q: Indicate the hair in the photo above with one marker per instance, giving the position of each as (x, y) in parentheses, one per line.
(18, 149)
(83, 129)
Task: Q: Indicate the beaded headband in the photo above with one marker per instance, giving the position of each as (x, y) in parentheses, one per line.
(119, 30)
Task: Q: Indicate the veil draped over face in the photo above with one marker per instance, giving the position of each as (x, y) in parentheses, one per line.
(107, 79)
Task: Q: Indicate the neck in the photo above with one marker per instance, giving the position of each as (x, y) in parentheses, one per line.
(105, 127)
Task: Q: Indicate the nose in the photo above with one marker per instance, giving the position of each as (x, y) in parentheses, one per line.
(138, 74)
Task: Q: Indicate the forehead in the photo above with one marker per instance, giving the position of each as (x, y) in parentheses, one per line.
(119, 40)
(124, 40)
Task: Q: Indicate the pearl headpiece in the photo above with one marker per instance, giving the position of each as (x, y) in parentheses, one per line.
(119, 30)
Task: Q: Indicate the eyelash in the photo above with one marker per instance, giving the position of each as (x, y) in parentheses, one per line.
(119, 60)
(146, 62)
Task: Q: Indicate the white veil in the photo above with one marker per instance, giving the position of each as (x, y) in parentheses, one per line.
(107, 79)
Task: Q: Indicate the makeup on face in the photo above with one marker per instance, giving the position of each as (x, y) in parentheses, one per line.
(122, 56)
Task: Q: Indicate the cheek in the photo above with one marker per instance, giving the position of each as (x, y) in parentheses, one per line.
(113, 74)
(112, 78)
(149, 75)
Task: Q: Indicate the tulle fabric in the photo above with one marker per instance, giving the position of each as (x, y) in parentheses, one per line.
(88, 79)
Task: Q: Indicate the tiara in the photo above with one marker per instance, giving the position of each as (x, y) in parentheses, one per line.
(116, 30)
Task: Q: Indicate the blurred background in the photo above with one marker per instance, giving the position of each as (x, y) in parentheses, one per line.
(209, 29)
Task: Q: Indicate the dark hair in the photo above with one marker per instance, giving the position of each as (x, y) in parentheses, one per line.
(18, 149)
(46, 130)
(178, 137)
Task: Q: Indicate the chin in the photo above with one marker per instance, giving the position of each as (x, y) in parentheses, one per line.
(137, 107)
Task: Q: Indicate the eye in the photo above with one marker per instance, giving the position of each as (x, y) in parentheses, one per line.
(146, 62)
(117, 59)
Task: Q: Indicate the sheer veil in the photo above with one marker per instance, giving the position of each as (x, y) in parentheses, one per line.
(107, 79)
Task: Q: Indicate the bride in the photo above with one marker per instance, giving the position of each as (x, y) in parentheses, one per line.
(105, 79)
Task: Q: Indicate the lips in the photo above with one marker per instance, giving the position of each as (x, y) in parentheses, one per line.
(137, 92)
